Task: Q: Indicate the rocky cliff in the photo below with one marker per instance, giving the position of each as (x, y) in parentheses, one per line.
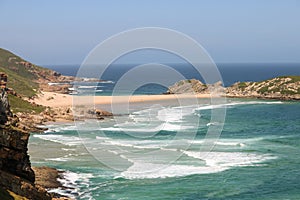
(4, 107)
(16, 174)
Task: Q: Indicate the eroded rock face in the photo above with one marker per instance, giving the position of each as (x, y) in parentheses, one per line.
(13, 153)
(22, 187)
(16, 173)
(4, 107)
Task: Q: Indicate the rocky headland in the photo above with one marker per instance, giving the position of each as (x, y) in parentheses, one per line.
(24, 82)
(283, 88)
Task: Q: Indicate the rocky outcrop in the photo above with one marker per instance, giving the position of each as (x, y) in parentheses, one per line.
(83, 113)
(193, 86)
(188, 86)
(16, 174)
(4, 107)
(47, 177)
(13, 153)
(3, 80)
(22, 187)
(286, 88)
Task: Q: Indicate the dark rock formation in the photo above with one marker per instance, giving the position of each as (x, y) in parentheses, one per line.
(96, 114)
(13, 153)
(22, 187)
(16, 174)
(46, 177)
(4, 107)
(3, 80)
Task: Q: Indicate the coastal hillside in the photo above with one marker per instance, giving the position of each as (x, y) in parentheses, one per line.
(284, 87)
(23, 81)
(26, 79)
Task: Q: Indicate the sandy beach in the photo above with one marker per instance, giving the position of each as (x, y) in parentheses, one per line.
(52, 99)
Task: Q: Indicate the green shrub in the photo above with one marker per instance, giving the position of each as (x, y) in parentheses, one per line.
(19, 105)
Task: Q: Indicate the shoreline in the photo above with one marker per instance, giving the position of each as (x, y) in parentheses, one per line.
(59, 108)
(54, 100)
(58, 100)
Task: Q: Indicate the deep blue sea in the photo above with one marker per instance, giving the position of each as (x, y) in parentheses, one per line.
(155, 149)
(230, 73)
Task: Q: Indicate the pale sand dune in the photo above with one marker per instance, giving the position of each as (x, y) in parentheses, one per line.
(52, 99)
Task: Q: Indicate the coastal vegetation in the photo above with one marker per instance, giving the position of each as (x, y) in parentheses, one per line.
(20, 105)
(22, 74)
(283, 87)
(26, 80)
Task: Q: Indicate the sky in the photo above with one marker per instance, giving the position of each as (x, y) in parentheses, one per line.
(64, 31)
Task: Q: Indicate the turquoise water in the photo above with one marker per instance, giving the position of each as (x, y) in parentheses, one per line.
(256, 157)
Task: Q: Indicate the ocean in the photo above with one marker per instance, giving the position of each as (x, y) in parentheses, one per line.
(256, 156)
(230, 73)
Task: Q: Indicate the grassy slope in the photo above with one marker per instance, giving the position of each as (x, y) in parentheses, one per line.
(19, 105)
(21, 80)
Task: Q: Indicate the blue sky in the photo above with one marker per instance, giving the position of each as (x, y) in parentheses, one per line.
(65, 31)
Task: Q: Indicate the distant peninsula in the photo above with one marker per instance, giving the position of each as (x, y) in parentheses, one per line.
(282, 88)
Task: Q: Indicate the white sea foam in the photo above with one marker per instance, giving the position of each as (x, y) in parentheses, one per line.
(138, 144)
(106, 82)
(215, 162)
(87, 86)
(65, 149)
(72, 182)
(149, 128)
(61, 159)
(144, 170)
(239, 144)
(212, 123)
(229, 159)
(66, 140)
(162, 144)
(209, 107)
(82, 126)
(175, 114)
